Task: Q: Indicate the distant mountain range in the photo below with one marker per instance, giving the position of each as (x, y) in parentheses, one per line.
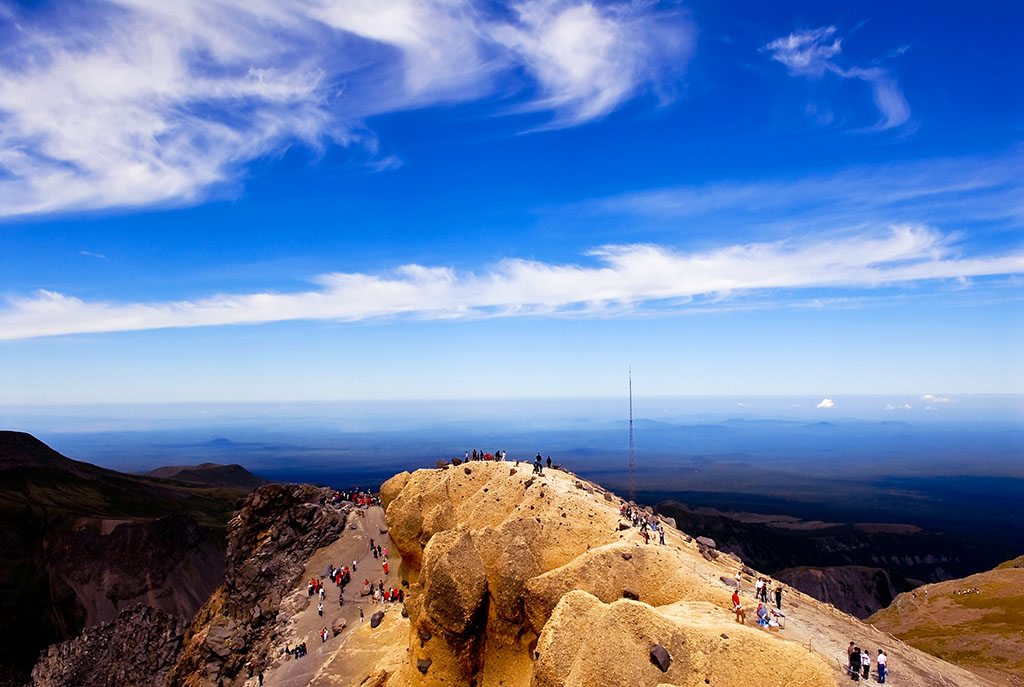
(80, 542)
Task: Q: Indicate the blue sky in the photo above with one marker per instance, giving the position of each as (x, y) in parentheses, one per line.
(228, 201)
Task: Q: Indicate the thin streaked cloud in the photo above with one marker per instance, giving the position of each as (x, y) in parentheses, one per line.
(951, 192)
(625, 279)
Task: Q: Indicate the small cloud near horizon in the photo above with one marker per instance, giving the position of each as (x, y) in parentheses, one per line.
(930, 398)
(826, 403)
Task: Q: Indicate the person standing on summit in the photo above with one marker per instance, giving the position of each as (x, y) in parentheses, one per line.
(538, 468)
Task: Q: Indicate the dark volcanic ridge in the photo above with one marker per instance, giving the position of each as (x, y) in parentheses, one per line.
(210, 474)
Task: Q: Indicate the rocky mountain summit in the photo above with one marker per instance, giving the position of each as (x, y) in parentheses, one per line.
(521, 579)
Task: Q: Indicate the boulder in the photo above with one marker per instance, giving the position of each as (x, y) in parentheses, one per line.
(423, 665)
(660, 657)
(454, 581)
(441, 464)
(707, 541)
(376, 619)
(456, 461)
(338, 626)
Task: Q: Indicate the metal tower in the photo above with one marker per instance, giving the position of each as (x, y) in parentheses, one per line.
(632, 452)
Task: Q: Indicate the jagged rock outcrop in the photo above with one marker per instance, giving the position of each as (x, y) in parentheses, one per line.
(138, 649)
(858, 590)
(269, 540)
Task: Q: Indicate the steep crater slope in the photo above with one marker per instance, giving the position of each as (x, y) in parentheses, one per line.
(858, 590)
(81, 543)
(137, 648)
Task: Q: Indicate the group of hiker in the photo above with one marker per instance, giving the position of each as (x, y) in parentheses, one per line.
(648, 524)
(761, 591)
(860, 663)
(478, 454)
(378, 595)
(766, 616)
(356, 496)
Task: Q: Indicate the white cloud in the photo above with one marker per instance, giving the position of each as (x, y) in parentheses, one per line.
(807, 52)
(901, 406)
(929, 398)
(811, 54)
(137, 102)
(587, 60)
(625, 279)
(953, 191)
(826, 403)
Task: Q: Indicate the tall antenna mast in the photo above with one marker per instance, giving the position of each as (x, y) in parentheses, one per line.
(632, 452)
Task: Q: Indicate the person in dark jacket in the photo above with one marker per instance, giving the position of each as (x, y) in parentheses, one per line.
(855, 664)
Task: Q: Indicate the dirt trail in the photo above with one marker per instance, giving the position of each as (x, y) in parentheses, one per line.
(305, 624)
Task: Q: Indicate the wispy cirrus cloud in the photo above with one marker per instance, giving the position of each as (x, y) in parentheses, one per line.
(623, 279)
(963, 192)
(137, 102)
(811, 53)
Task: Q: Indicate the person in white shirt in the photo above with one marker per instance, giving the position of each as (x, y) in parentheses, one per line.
(865, 663)
(883, 666)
